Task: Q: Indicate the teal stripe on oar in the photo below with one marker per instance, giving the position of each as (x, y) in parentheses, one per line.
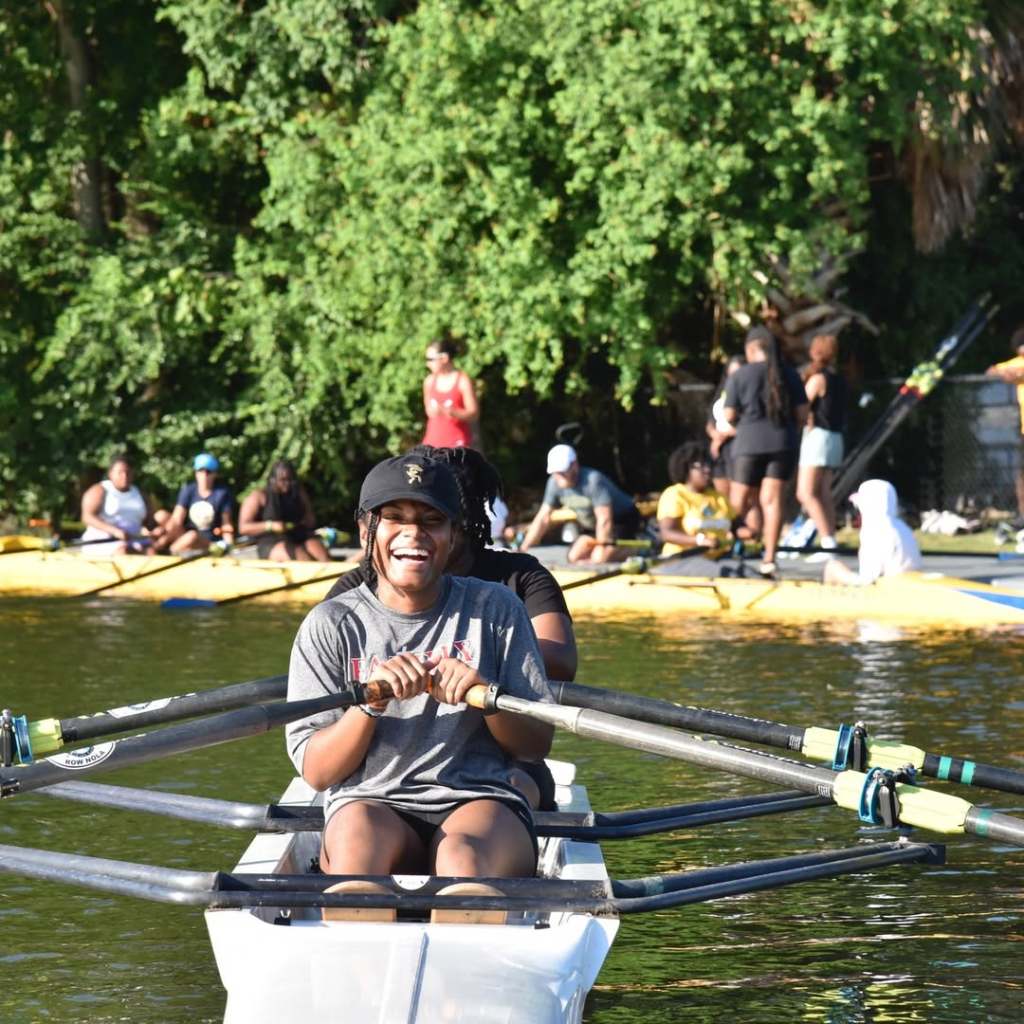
(981, 822)
(967, 773)
(945, 763)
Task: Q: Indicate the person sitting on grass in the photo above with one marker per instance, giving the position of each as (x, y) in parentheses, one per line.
(887, 544)
(418, 783)
(603, 511)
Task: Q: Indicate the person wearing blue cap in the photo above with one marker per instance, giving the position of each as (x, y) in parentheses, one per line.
(204, 511)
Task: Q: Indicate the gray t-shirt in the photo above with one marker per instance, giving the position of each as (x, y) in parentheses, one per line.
(424, 755)
(592, 490)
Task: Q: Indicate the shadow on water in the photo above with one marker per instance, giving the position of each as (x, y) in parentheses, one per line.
(905, 944)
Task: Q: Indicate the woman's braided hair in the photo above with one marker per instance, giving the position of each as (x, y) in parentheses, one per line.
(479, 486)
(776, 399)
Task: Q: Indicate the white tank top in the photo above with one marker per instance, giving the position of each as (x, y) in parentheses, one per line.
(124, 509)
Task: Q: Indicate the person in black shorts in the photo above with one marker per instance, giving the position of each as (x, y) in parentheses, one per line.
(479, 485)
(280, 517)
(766, 402)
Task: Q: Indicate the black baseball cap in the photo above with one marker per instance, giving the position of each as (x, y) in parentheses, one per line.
(411, 478)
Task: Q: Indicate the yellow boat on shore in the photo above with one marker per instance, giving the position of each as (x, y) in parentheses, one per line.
(162, 577)
(919, 599)
(926, 600)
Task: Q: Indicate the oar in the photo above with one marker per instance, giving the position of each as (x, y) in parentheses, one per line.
(592, 826)
(56, 544)
(215, 550)
(1003, 556)
(194, 602)
(223, 890)
(843, 747)
(46, 735)
(636, 565)
(178, 739)
(873, 795)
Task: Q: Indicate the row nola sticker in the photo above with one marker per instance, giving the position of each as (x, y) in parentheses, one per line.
(134, 709)
(83, 757)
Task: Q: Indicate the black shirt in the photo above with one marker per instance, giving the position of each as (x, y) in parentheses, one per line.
(517, 570)
(829, 411)
(756, 432)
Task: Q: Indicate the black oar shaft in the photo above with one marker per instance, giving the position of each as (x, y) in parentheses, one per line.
(973, 773)
(662, 712)
(126, 719)
(178, 739)
(925, 808)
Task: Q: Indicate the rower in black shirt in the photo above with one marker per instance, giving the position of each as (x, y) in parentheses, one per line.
(533, 584)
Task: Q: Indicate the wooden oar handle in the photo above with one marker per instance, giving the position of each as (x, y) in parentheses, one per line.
(483, 697)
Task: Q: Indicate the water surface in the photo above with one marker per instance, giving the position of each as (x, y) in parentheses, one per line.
(904, 944)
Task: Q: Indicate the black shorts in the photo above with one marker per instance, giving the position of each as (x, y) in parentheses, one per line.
(545, 781)
(752, 469)
(266, 542)
(426, 823)
(721, 468)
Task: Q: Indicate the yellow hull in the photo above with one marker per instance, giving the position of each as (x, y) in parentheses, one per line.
(37, 573)
(914, 599)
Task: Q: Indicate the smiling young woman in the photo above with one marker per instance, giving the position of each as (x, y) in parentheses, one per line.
(418, 783)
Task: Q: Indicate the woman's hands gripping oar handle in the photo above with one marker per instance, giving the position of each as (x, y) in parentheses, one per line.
(876, 797)
(179, 739)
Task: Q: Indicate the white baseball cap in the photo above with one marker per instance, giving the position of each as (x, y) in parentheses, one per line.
(560, 458)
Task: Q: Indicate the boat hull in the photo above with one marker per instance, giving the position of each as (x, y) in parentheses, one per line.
(914, 599)
(532, 970)
(41, 573)
(924, 600)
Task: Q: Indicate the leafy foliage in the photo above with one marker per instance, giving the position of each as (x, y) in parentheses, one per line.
(300, 194)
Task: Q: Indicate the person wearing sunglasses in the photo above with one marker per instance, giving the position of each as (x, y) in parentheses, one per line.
(449, 400)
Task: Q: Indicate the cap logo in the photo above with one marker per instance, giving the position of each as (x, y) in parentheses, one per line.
(414, 474)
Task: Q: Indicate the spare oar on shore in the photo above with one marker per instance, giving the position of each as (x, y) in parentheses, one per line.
(845, 747)
(880, 797)
(638, 564)
(237, 890)
(591, 826)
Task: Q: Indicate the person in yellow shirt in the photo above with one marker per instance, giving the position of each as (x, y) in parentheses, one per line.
(691, 513)
(1012, 371)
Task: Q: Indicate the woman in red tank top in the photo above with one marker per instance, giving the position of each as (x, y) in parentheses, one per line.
(449, 400)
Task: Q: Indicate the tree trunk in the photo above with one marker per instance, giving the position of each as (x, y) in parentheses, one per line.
(85, 176)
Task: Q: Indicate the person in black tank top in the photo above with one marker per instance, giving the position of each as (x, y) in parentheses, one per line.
(821, 448)
(280, 517)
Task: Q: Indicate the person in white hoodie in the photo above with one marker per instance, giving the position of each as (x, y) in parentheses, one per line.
(887, 545)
